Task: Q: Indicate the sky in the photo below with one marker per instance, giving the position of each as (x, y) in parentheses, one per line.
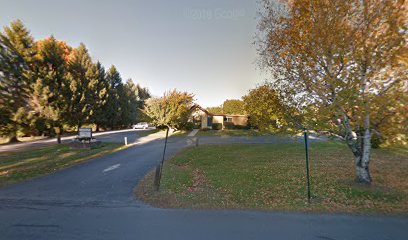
(203, 47)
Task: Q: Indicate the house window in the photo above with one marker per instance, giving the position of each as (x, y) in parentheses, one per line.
(228, 119)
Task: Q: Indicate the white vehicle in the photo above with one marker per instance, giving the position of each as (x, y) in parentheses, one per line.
(141, 125)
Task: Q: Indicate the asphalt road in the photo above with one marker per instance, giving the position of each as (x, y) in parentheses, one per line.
(94, 200)
(109, 136)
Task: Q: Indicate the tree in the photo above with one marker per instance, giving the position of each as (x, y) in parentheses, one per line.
(229, 106)
(46, 85)
(265, 108)
(130, 103)
(172, 110)
(48, 99)
(80, 76)
(233, 106)
(99, 95)
(215, 110)
(343, 58)
(113, 110)
(16, 57)
(142, 93)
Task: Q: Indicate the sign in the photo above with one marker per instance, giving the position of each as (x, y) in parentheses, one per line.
(85, 133)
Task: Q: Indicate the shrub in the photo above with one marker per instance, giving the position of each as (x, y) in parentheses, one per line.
(188, 126)
(216, 126)
(242, 127)
(229, 125)
(376, 141)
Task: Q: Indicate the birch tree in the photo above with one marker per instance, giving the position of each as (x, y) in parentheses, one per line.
(344, 57)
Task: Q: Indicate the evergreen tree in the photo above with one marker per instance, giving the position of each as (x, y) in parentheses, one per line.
(46, 85)
(48, 99)
(132, 100)
(142, 93)
(99, 96)
(16, 56)
(113, 109)
(80, 73)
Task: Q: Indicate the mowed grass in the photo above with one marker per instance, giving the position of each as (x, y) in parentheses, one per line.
(19, 166)
(162, 133)
(272, 177)
(232, 132)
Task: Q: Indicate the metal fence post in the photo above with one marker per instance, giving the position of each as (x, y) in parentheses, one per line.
(159, 168)
(307, 165)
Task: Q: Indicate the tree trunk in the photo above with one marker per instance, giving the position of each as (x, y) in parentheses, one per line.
(58, 131)
(59, 138)
(361, 151)
(13, 139)
(362, 162)
(97, 128)
(362, 171)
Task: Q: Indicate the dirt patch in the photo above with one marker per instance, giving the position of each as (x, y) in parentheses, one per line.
(198, 181)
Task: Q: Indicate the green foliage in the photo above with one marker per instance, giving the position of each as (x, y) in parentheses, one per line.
(16, 57)
(215, 110)
(172, 110)
(80, 76)
(46, 86)
(216, 126)
(230, 106)
(189, 126)
(113, 110)
(132, 100)
(266, 109)
(229, 125)
(233, 106)
(99, 96)
(241, 127)
(46, 100)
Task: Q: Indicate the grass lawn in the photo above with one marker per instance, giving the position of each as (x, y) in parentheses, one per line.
(232, 132)
(161, 133)
(272, 177)
(19, 166)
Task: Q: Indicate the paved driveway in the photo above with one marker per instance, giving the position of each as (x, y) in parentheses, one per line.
(94, 200)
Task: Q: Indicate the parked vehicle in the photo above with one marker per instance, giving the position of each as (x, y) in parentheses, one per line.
(141, 125)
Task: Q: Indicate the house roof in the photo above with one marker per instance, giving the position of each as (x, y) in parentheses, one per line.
(196, 106)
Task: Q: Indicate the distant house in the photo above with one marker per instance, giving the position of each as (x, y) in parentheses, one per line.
(204, 119)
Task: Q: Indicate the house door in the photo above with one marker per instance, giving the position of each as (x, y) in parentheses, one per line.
(209, 121)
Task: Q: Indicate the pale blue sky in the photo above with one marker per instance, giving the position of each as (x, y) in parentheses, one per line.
(203, 47)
